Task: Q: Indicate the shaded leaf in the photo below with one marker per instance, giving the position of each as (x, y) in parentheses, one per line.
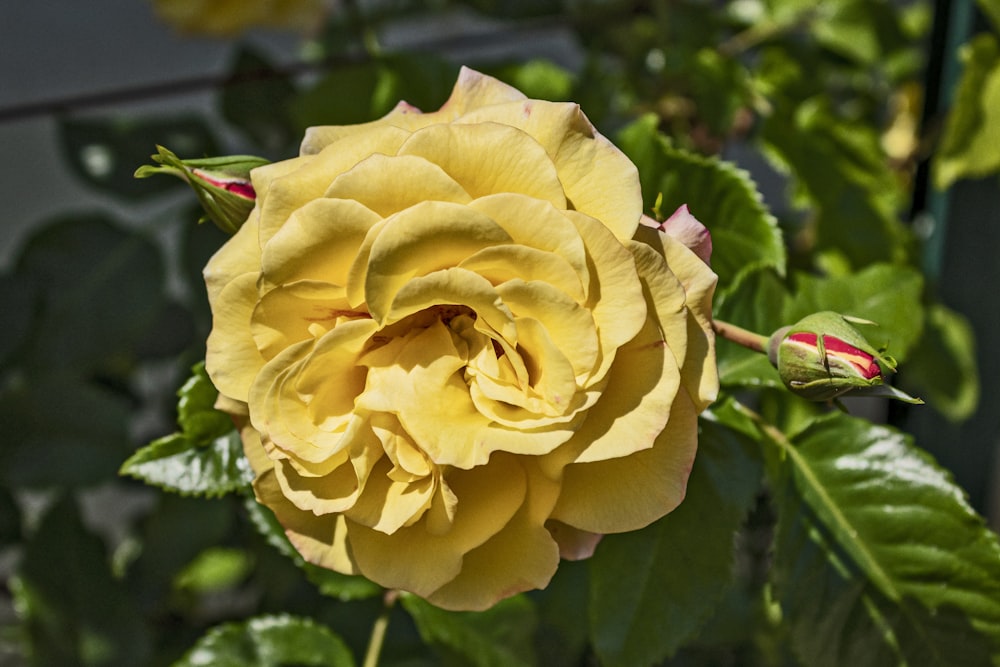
(360, 92)
(562, 636)
(76, 612)
(328, 582)
(652, 589)
(269, 641)
(104, 153)
(47, 440)
(256, 100)
(101, 288)
(497, 637)
(745, 236)
(880, 558)
(18, 301)
(757, 303)
(943, 365)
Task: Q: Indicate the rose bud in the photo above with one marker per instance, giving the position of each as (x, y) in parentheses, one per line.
(824, 357)
(222, 184)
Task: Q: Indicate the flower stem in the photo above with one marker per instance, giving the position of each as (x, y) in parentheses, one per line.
(378, 630)
(740, 336)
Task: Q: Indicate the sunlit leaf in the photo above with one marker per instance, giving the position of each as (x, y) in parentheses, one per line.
(269, 641)
(745, 236)
(177, 463)
(652, 589)
(972, 132)
(885, 294)
(538, 79)
(205, 457)
(840, 171)
(880, 558)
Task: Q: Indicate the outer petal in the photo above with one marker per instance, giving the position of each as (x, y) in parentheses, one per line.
(310, 181)
(472, 90)
(416, 560)
(487, 158)
(521, 557)
(629, 493)
(231, 356)
(597, 177)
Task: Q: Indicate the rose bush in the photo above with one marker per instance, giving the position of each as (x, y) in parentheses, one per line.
(453, 350)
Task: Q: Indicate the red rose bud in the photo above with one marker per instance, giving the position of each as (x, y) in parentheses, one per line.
(824, 357)
(222, 184)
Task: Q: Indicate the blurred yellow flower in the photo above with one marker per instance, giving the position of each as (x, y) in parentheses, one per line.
(230, 17)
(454, 351)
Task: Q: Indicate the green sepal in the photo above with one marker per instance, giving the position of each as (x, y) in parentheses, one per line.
(822, 377)
(211, 179)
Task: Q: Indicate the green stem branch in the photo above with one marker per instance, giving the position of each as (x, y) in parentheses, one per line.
(379, 628)
(741, 336)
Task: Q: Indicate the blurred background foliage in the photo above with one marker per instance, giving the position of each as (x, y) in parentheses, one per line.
(871, 128)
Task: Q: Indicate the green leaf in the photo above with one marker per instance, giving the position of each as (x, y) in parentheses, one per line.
(858, 29)
(497, 637)
(840, 170)
(60, 431)
(333, 584)
(358, 93)
(885, 294)
(991, 8)
(756, 303)
(972, 130)
(196, 413)
(101, 288)
(880, 558)
(18, 300)
(76, 612)
(104, 153)
(652, 589)
(178, 463)
(214, 569)
(205, 458)
(256, 100)
(943, 367)
(562, 636)
(745, 236)
(538, 79)
(269, 641)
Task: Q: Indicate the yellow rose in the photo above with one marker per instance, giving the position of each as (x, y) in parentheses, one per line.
(229, 17)
(454, 350)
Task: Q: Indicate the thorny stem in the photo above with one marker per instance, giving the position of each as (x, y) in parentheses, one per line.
(741, 336)
(378, 629)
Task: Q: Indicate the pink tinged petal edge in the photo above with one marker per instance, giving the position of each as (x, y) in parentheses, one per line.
(687, 229)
